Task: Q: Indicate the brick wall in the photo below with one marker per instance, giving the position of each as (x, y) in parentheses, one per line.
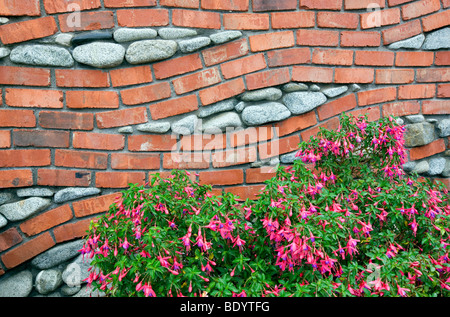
(82, 124)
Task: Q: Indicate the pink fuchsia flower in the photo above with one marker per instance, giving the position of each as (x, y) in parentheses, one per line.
(402, 291)
(148, 291)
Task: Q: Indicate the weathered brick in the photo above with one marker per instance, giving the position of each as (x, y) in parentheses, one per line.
(330, 124)
(72, 230)
(289, 56)
(373, 113)
(259, 175)
(83, 99)
(430, 149)
(193, 4)
(293, 20)
(81, 159)
(360, 38)
(317, 37)
(89, 21)
(9, 238)
(94, 205)
(225, 52)
(144, 161)
(414, 58)
(17, 118)
(362, 4)
(268, 78)
(354, 75)
(397, 2)
(332, 57)
(131, 76)
(245, 65)
(269, 41)
(41, 138)
(88, 78)
(233, 5)
(186, 160)
(431, 75)
(66, 120)
(144, 94)
(375, 96)
(416, 91)
(129, 3)
(203, 142)
(321, 4)
(402, 108)
(436, 107)
(374, 58)
(196, 19)
(5, 139)
(27, 30)
(24, 76)
(420, 8)
(55, 177)
(296, 123)
(98, 141)
(312, 74)
(443, 91)
(251, 135)
(246, 21)
(245, 192)
(120, 118)
(173, 107)
(142, 17)
(34, 98)
(401, 32)
(380, 18)
(152, 143)
(27, 250)
(46, 220)
(336, 107)
(234, 157)
(16, 178)
(339, 20)
(225, 177)
(394, 76)
(20, 8)
(442, 58)
(25, 158)
(268, 5)
(58, 6)
(196, 81)
(278, 146)
(177, 66)
(118, 179)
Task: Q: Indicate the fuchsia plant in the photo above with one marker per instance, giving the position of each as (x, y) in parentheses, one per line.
(343, 220)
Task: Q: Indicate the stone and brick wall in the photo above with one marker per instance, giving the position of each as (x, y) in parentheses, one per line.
(95, 94)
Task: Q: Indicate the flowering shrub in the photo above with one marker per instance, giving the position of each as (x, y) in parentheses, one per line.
(343, 220)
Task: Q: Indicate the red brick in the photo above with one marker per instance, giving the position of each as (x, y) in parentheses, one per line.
(72, 230)
(24, 158)
(269, 41)
(194, 4)
(200, 142)
(9, 238)
(293, 20)
(124, 161)
(354, 75)
(362, 4)
(360, 38)
(446, 3)
(416, 91)
(95, 205)
(394, 76)
(245, 192)
(234, 157)
(374, 58)
(34, 98)
(268, 78)
(143, 17)
(225, 52)
(20, 8)
(17, 118)
(375, 96)
(250, 135)
(55, 177)
(81, 159)
(27, 30)
(84, 99)
(152, 143)
(278, 146)
(46, 220)
(403, 108)
(317, 38)
(120, 118)
(245, 65)
(58, 6)
(321, 4)
(196, 81)
(169, 175)
(98, 141)
(312, 74)
(430, 75)
(118, 179)
(373, 113)
(421, 152)
(174, 107)
(289, 56)
(224, 177)
(332, 57)
(443, 91)
(131, 76)
(232, 5)
(144, 94)
(66, 120)
(330, 124)
(89, 21)
(436, 107)
(337, 20)
(81, 78)
(196, 19)
(177, 66)
(380, 18)
(41, 138)
(24, 76)
(397, 2)
(16, 178)
(259, 175)
(414, 59)
(442, 58)
(27, 250)
(129, 3)
(186, 160)
(401, 32)
(296, 123)
(336, 107)
(246, 21)
(268, 5)
(420, 8)
(5, 139)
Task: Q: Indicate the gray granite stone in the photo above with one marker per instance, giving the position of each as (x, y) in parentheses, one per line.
(176, 33)
(77, 271)
(289, 158)
(48, 280)
(89, 37)
(421, 167)
(437, 166)
(17, 285)
(314, 87)
(291, 87)
(3, 221)
(334, 92)
(41, 55)
(270, 94)
(123, 35)
(437, 40)
(25, 208)
(125, 130)
(415, 118)
(147, 51)
(221, 106)
(192, 45)
(185, 126)
(72, 193)
(413, 43)
(240, 106)
(64, 39)
(355, 87)
(418, 134)
(265, 113)
(99, 54)
(5, 198)
(409, 166)
(444, 128)
(217, 123)
(303, 101)
(57, 255)
(154, 127)
(225, 36)
(35, 192)
(446, 170)
(4, 51)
